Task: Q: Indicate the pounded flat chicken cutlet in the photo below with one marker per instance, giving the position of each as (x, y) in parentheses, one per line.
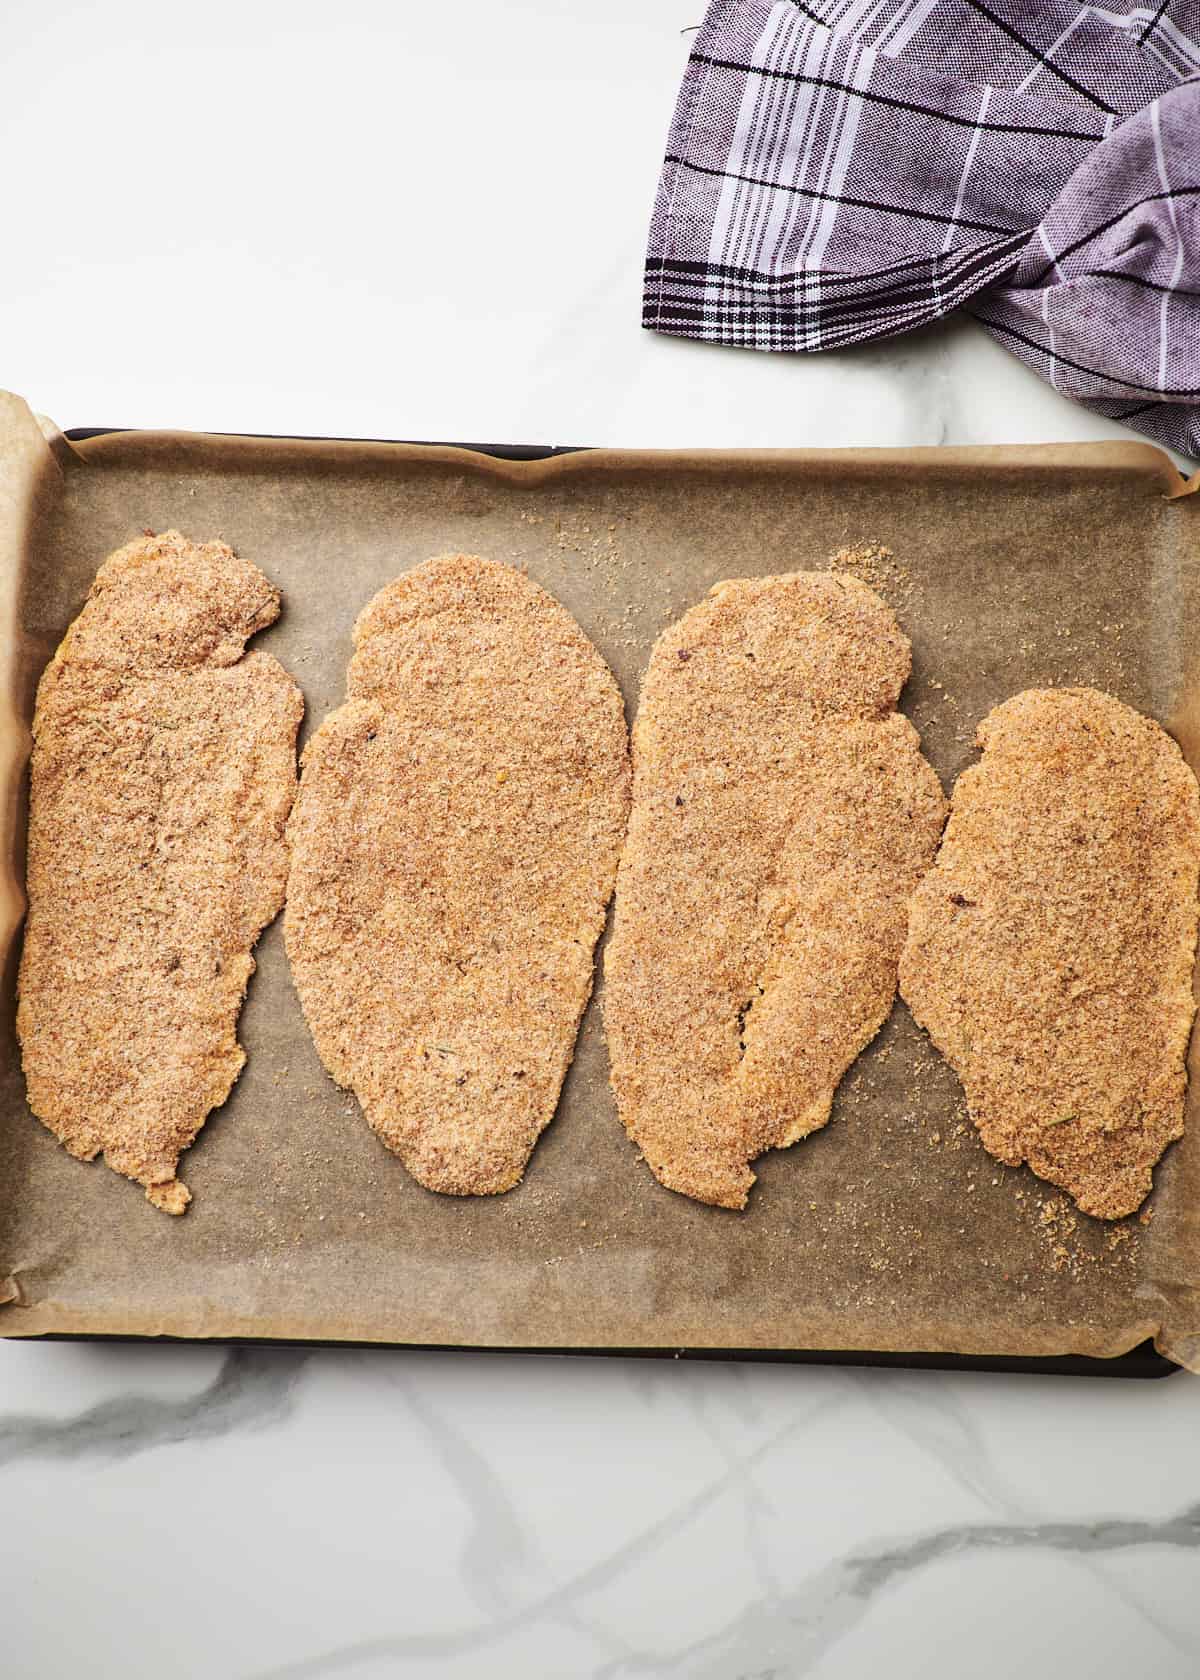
(1050, 950)
(163, 771)
(454, 847)
(782, 814)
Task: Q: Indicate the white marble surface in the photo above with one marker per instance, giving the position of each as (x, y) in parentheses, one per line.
(426, 221)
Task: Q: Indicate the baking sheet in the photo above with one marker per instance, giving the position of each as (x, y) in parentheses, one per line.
(890, 1230)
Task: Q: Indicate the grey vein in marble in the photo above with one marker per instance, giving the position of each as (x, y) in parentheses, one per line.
(782, 1635)
(555, 1603)
(941, 1426)
(496, 1543)
(254, 1388)
(788, 1639)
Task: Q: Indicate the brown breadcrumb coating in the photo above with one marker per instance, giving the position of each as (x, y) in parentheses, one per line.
(1050, 951)
(163, 771)
(782, 814)
(455, 843)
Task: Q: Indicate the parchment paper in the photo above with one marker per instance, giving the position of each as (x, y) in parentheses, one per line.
(890, 1230)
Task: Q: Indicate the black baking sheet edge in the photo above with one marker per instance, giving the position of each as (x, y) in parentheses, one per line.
(1143, 1361)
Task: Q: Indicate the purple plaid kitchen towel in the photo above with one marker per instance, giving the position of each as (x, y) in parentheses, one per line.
(842, 170)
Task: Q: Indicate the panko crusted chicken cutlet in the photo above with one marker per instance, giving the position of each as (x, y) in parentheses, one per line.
(163, 772)
(1050, 950)
(782, 815)
(455, 843)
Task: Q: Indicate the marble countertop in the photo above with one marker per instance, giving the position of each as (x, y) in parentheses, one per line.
(387, 221)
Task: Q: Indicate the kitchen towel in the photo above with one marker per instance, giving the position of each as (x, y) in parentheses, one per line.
(845, 170)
